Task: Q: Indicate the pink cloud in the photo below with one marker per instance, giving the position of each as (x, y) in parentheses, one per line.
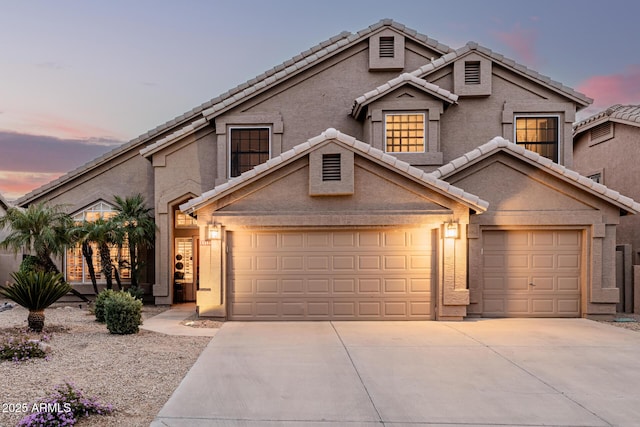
(607, 90)
(16, 184)
(521, 41)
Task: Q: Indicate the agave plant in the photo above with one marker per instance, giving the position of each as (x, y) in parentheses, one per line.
(35, 291)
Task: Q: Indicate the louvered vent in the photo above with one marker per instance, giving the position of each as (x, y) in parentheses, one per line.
(601, 130)
(472, 73)
(331, 167)
(387, 47)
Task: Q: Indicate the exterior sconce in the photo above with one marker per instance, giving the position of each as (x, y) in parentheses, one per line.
(214, 231)
(451, 230)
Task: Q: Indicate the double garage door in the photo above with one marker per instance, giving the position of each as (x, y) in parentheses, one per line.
(531, 273)
(384, 274)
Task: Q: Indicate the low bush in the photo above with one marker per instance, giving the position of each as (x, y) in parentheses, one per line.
(64, 407)
(22, 348)
(123, 313)
(136, 292)
(99, 304)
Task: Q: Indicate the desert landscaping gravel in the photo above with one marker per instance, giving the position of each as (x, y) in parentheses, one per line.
(135, 373)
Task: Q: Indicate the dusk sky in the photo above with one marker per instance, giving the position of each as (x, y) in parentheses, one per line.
(78, 78)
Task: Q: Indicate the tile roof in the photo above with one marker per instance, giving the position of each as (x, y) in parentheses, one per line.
(267, 79)
(169, 139)
(628, 114)
(395, 83)
(499, 143)
(359, 147)
(509, 63)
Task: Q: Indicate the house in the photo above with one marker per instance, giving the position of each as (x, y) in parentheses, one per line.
(9, 262)
(369, 177)
(605, 149)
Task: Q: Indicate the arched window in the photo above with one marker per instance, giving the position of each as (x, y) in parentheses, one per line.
(75, 265)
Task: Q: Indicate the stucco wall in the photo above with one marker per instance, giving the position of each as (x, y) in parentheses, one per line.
(617, 159)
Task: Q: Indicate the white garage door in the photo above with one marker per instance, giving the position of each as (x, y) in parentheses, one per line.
(531, 273)
(325, 275)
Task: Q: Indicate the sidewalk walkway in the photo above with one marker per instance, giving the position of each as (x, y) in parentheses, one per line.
(168, 322)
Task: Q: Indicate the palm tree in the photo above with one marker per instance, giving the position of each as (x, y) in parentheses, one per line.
(137, 221)
(35, 291)
(104, 233)
(40, 229)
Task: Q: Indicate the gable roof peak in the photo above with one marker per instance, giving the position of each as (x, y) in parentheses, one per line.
(627, 114)
(501, 144)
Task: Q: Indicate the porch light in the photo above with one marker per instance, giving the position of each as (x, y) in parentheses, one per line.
(214, 231)
(451, 230)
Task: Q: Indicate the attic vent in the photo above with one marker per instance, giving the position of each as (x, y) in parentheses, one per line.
(601, 130)
(331, 167)
(387, 47)
(472, 73)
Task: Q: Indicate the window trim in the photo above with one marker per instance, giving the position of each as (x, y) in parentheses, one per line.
(425, 130)
(539, 115)
(230, 130)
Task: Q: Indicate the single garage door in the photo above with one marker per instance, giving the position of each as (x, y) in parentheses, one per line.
(531, 273)
(325, 275)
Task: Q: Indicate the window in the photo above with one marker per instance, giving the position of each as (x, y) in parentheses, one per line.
(185, 221)
(404, 133)
(249, 148)
(75, 264)
(538, 134)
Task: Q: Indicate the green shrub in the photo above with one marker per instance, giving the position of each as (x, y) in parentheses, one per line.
(123, 313)
(99, 304)
(136, 292)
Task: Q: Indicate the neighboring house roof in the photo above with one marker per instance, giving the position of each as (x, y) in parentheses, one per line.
(227, 100)
(567, 175)
(627, 114)
(451, 57)
(3, 203)
(395, 83)
(361, 148)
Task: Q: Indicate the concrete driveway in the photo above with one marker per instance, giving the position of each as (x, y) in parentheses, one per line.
(512, 372)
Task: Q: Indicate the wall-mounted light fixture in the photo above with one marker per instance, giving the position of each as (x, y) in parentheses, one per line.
(451, 230)
(213, 231)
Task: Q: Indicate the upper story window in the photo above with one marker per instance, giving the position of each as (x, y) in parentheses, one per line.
(538, 134)
(405, 133)
(250, 146)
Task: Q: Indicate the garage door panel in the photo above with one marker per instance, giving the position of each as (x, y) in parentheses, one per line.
(363, 274)
(395, 262)
(532, 273)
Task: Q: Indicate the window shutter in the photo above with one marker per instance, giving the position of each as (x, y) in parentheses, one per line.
(387, 47)
(601, 130)
(472, 73)
(331, 167)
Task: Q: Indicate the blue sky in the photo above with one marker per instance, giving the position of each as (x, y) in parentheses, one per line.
(79, 77)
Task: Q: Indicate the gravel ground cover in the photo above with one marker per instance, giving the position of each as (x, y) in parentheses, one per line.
(135, 373)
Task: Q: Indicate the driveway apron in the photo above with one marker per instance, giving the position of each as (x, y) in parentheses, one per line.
(517, 372)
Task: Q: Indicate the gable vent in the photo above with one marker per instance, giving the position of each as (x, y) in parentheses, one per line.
(472, 73)
(601, 130)
(331, 167)
(387, 47)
